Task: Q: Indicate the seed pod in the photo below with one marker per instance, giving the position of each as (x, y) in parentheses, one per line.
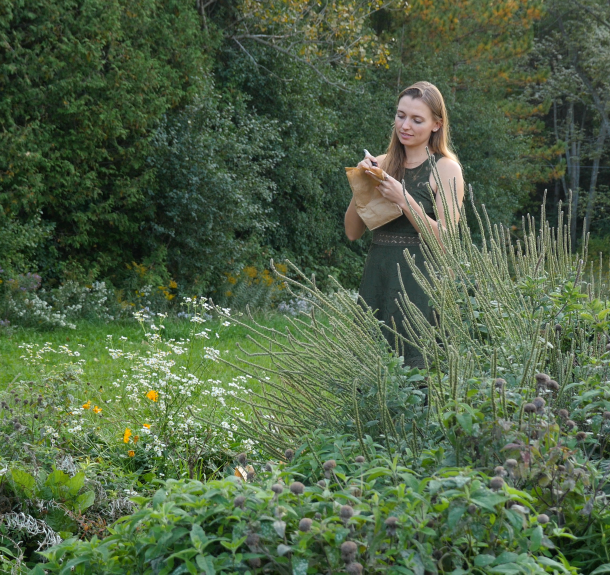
(558, 328)
(391, 525)
(239, 501)
(305, 524)
(608, 347)
(500, 471)
(606, 415)
(330, 464)
(552, 385)
(346, 512)
(499, 383)
(472, 509)
(541, 378)
(289, 454)
(360, 459)
(348, 551)
(563, 413)
(242, 459)
(539, 402)
(543, 519)
(277, 488)
(496, 483)
(297, 488)
(529, 408)
(510, 463)
(255, 562)
(561, 468)
(322, 484)
(268, 466)
(252, 540)
(570, 424)
(318, 517)
(581, 436)
(354, 568)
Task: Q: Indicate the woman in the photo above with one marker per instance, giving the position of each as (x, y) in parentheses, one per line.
(421, 122)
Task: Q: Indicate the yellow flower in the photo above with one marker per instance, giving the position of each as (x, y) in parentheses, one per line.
(147, 425)
(282, 268)
(232, 280)
(173, 284)
(126, 435)
(228, 293)
(250, 271)
(169, 296)
(131, 453)
(136, 438)
(87, 405)
(152, 395)
(97, 409)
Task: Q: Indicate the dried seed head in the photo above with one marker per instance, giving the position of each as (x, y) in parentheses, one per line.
(239, 501)
(563, 413)
(318, 517)
(499, 383)
(606, 415)
(539, 402)
(570, 424)
(322, 484)
(391, 525)
(250, 476)
(354, 568)
(496, 483)
(430, 523)
(543, 519)
(541, 378)
(558, 328)
(472, 509)
(346, 512)
(552, 385)
(529, 408)
(500, 471)
(242, 459)
(561, 468)
(360, 459)
(277, 488)
(17, 426)
(581, 436)
(289, 454)
(4, 405)
(330, 464)
(36, 416)
(297, 488)
(25, 402)
(510, 463)
(348, 551)
(252, 540)
(39, 399)
(255, 562)
(608, 347)
(268, 466)
(305, 524)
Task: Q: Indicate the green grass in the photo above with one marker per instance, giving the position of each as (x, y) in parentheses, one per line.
(91, 341)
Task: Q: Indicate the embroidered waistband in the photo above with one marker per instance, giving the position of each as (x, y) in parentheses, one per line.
(394, 239)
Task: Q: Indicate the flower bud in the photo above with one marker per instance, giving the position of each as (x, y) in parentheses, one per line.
(354, 569)
(305, 524)
(543, 519)
(510, 463)
(360, 459)
(242, 459)
(330, 464)
(346, 512)
(581, 436)
(529, 408)
(539, 403)
(348, 551)
(570, 424)
(563, 413)
(239, 501)
(496, 483)
(277, 488)
(500, 471)
(297, 488)
(552, 385)
(499, 383)
(289, 454)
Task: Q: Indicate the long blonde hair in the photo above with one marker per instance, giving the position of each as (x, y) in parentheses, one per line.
(439, 142)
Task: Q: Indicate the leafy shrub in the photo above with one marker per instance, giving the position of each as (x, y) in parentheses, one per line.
(376, 516)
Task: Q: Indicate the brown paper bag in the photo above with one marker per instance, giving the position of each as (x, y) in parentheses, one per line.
(371, 206)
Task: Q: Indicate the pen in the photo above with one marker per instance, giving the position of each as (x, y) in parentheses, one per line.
(367, 153)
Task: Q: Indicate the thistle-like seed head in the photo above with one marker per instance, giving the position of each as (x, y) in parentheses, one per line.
(539, 402)
(277, 488)
(354, 568)
(581, 436)
(255, 562)
(558, 328)
(322, 484)
(289, 454)
(360, 459)
(543, 519)
(529, 408)
(348, 551)
(496, 483)
(472, 509)
(511, 463)
(242, 459)
(563, 413)
(252, 540)
(330, 464)
(606, 415)
(552, 385)
(318, 517)
(297, 488)
(268, 466)
(570, 424)
(500, 471)
(239, 501)
(499, 383)
(391, 525)
(541, 378)
(305, 524)
(346, 512)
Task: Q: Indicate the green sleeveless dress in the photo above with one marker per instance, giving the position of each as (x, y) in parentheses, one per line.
(380, 283)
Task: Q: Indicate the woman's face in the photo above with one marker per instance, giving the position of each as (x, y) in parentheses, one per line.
(414, 122)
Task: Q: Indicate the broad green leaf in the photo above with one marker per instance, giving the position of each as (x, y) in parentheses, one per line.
(484, 560)
(198, 536)
(605, 568)
(85, 500)
(299, 566)
(455, 514)
(75, 484)
(206, 564)
(23, 479)
(465, 421)
(536, 538)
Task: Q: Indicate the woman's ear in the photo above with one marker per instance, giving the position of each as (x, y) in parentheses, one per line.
(437, 126)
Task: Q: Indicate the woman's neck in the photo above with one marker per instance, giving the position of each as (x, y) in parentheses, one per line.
(415, 156)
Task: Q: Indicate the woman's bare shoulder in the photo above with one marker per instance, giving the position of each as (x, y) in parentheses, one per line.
(447, 164)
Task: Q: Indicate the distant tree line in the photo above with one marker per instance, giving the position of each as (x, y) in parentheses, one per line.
(195, 137)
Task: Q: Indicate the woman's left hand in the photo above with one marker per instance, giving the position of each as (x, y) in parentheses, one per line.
(391, 190)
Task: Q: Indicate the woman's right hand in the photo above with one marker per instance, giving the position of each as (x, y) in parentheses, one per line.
(368, 162)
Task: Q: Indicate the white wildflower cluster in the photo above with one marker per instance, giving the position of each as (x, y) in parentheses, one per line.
(35, 310)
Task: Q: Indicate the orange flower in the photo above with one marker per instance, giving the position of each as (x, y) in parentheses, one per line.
(147, 425)
(97, 409)
(131, 453)
(87, 405)
(152, 395)
(136, 438)
(126, 435)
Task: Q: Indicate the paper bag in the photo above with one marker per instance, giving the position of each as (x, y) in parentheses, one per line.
(371, 206)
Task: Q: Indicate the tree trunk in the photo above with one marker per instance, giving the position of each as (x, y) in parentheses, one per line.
(599, 147)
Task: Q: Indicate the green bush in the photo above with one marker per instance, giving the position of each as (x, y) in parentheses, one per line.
(372, 517)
